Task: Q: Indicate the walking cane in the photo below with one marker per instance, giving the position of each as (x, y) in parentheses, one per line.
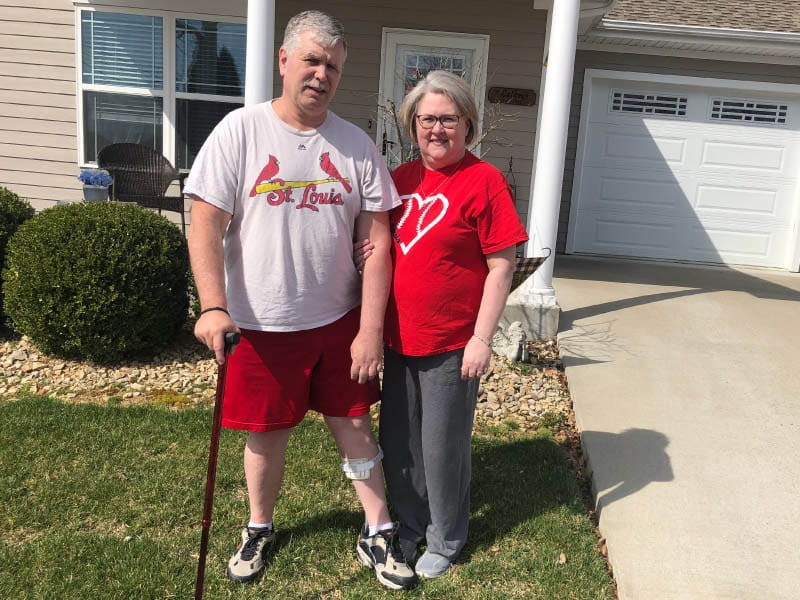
(231, 339)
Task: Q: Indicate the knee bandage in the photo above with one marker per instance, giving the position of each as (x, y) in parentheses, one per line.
(360, 468)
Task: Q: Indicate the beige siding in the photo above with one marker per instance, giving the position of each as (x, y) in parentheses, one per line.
(652, 64)
(38, 154)
(54, 31)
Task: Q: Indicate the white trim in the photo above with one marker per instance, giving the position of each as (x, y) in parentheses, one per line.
(758, 86)
(591, 12)
(742, 36)
(121, 89)
(79, 85)
(795, 256)
(124, 7)
(168, 115)
(729, 56)
(597, 6)
(586, 100)
(702, 82)
(692, 41)
(208, 97)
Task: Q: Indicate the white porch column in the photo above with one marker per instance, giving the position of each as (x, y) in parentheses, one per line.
(260, 51)
(548, 169)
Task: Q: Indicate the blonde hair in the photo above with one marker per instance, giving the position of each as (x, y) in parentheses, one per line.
(440, 82)
(324, 28)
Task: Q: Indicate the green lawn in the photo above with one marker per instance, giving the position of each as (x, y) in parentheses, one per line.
(105, 502)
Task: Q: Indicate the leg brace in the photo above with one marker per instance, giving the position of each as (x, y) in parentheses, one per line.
(360, 468)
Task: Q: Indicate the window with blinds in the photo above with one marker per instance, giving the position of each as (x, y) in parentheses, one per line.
(122, 50)
(126, 97)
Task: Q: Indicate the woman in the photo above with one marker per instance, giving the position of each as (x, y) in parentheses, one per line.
(454, 255)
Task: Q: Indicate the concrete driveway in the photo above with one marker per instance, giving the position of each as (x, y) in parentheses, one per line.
(686, 386)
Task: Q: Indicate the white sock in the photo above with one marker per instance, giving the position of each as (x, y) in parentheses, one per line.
(377, 528)
(252, 525)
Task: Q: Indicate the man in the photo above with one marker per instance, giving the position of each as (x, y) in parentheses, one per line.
(278, 191)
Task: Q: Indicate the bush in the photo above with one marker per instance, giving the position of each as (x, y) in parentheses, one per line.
(102, 281)
(14, 211)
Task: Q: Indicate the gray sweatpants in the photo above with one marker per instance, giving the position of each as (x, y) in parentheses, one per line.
(427, 413)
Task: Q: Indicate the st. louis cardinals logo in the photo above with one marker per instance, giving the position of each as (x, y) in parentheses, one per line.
(419, 217)
(279, 191)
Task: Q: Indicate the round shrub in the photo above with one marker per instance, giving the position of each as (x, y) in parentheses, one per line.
(14, 211)
(103, 281)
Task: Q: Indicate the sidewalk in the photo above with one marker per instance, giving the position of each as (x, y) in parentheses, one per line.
(686, 387)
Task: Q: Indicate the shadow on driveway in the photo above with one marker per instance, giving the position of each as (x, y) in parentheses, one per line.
(631, 460)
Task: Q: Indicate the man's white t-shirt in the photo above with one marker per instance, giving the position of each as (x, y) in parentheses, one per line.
(294, 197)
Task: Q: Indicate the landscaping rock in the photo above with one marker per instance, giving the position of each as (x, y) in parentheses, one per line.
(519, 395)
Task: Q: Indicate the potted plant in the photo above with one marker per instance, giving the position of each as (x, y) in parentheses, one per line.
(95, 184)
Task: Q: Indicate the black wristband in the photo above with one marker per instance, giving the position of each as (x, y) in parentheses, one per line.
(204, 311)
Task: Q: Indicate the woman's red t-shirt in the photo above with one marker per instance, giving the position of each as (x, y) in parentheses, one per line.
(448, 223)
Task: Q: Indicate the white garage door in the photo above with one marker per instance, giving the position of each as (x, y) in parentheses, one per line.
(685, 172)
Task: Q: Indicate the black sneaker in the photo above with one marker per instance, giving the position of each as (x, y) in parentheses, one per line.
(382, 552)
(248, 561)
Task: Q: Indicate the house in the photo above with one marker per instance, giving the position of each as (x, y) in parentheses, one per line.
(662, 129)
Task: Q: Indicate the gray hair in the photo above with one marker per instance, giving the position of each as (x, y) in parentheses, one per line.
(324, 28)
(440, 82)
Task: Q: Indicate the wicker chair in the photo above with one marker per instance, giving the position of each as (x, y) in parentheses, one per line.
(142, 175)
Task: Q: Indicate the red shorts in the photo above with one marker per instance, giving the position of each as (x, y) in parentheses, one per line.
(274, 378)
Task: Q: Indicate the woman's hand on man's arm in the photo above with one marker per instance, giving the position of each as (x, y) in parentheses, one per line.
(362, 250)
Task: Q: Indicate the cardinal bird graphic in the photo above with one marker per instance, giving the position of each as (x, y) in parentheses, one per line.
(267, 173)
(330, 169)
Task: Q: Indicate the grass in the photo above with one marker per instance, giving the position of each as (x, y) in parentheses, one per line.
(105, 502)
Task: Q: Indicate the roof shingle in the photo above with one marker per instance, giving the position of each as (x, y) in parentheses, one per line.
(754, 15)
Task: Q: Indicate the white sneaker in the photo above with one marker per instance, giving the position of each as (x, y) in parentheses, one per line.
(248, 560)
(382, 552)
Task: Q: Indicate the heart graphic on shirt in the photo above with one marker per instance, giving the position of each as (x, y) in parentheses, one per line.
(419, 217)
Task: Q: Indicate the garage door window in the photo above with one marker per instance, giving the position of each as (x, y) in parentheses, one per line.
(749, 111)
(647, 103)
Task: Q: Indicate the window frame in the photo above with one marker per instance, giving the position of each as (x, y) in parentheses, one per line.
(169, 96)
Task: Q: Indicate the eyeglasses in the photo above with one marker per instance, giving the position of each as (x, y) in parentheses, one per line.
(447, 121)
